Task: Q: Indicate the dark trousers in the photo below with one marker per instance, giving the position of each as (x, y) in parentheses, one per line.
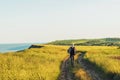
(72, 57)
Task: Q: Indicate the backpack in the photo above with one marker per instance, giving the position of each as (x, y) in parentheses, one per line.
(69, 50)
(72, 50)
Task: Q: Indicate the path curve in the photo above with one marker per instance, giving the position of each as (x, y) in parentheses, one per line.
(65, 72)
(88, 68)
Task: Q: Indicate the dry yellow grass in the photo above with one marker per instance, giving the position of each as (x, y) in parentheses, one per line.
(32, 64)
(82, 75)
(79, 72)
(44, 63)
(101, 57)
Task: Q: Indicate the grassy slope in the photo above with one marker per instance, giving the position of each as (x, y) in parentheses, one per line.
(44, 63)
(89, 42)
(32, 64)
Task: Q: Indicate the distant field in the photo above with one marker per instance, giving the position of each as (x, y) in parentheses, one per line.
(89, 42)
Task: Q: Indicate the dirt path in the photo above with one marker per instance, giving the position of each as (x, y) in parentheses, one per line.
(88, 68)
(65, 71)
(67, 75)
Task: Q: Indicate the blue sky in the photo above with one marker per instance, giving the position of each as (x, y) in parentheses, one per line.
(24, 21)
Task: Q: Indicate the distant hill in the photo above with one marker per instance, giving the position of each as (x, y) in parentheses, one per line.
(89, 42)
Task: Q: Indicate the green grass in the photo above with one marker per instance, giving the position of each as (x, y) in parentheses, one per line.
(89, 42)
(67, 42)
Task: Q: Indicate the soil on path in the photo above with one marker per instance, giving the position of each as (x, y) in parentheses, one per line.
(88, 68)
(65, 70)
(67, 75)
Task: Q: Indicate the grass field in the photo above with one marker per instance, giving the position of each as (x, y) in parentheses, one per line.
(89, 42)
(105, 60)
(32, 64)
(44, 63)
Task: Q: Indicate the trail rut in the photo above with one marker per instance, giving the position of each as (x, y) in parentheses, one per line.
(65, 71)
(67, 75)
(88, 68)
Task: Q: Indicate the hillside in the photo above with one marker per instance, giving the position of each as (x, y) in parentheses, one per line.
(89, 42)
(51, 62)
(36, 63)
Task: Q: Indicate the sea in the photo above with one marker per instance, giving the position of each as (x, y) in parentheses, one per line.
(14, 47)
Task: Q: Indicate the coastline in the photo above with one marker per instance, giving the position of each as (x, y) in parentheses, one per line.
(6, 48)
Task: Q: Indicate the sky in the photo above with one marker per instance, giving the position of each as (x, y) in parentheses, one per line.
(25, 21)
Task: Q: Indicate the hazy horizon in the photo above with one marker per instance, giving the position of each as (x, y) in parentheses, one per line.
(30, 21)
